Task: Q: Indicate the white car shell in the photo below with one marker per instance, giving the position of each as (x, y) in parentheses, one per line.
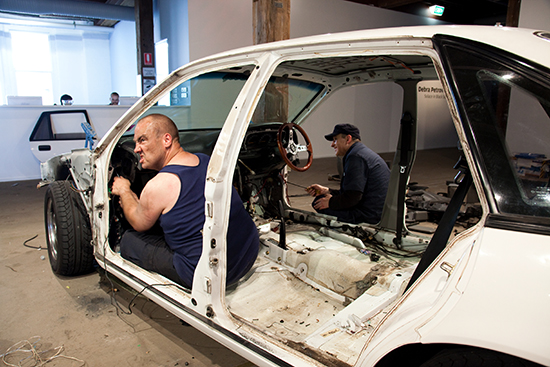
(486, 289)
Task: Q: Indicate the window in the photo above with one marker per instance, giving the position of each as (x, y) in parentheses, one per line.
(507, 106)
(161, 63)
(32, 64)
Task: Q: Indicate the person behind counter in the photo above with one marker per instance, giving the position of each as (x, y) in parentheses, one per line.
(114, 98)
(66, 100)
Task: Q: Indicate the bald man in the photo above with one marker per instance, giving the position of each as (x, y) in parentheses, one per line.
(175, 198)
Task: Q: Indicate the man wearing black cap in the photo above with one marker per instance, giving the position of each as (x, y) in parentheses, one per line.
(364, 183)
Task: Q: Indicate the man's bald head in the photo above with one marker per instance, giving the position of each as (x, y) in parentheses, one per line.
(159, 125)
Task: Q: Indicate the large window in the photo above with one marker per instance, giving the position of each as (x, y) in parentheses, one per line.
(32, 64)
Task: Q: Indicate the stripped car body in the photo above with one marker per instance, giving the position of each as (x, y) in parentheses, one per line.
(324, 292)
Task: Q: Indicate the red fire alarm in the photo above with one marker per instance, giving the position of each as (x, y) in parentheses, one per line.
(148, 59)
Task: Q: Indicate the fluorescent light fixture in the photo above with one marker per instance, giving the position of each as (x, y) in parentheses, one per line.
(437, 10)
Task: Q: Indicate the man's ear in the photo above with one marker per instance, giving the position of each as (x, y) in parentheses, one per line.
(167, 140)
(349, 139)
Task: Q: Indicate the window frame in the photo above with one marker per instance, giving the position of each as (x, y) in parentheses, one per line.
(501, 214)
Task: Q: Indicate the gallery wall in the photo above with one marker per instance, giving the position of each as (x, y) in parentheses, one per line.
(218, 25)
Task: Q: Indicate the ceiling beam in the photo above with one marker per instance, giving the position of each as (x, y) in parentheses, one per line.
(85, 9)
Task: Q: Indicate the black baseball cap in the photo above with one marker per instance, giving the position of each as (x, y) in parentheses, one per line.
(346, 129)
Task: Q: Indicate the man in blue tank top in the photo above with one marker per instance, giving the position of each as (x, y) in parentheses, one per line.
(175, 198)
(364, 183)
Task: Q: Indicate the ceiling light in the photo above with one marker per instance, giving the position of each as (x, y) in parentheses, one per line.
(437, 10)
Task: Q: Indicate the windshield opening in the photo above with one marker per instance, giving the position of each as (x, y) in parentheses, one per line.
(191, 102)
(284, 99)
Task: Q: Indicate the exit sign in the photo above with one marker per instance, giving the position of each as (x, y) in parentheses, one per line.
(437, 10)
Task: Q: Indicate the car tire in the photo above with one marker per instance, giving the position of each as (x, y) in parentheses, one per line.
(68, 233)
(475, 357)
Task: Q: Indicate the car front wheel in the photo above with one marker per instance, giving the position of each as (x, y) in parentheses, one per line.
(68, 233)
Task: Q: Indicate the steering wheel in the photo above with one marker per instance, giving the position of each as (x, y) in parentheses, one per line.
(289, 149)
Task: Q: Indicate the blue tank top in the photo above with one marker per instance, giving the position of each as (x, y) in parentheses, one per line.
(182, 225)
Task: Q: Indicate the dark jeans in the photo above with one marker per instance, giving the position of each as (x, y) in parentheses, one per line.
(150, 252)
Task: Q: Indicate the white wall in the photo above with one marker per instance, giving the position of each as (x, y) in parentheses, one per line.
(218, 25)
(68, 59)
(87, 62)
(8, 85)
(310, 17)
(123, 52)
(374, 109)
(535, 14)
(174, 24)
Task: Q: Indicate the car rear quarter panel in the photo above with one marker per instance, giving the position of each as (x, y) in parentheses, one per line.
(504, 304)
(497, 297)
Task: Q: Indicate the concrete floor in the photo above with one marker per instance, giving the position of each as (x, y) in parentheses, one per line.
(78, 313)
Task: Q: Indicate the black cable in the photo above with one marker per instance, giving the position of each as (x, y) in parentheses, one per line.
(34, 247)
(371, 241)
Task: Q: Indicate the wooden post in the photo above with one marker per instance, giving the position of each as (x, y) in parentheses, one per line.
(512, 15)
(145, 44)
(271, 20)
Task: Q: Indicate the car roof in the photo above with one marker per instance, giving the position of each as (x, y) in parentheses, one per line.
(529, 43)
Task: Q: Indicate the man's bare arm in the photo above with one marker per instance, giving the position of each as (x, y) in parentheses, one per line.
(143, 212)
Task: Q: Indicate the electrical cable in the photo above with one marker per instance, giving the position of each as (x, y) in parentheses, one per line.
(35, 354)
(114, 301)
(73, 187)
(371, 241)
(29, 240)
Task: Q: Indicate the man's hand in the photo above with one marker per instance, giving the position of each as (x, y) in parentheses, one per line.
(139, 217)
(322, 202)
(128, 200)
(316, 190)
(120, 187)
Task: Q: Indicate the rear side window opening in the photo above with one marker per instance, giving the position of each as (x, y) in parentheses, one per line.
(507, 107)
